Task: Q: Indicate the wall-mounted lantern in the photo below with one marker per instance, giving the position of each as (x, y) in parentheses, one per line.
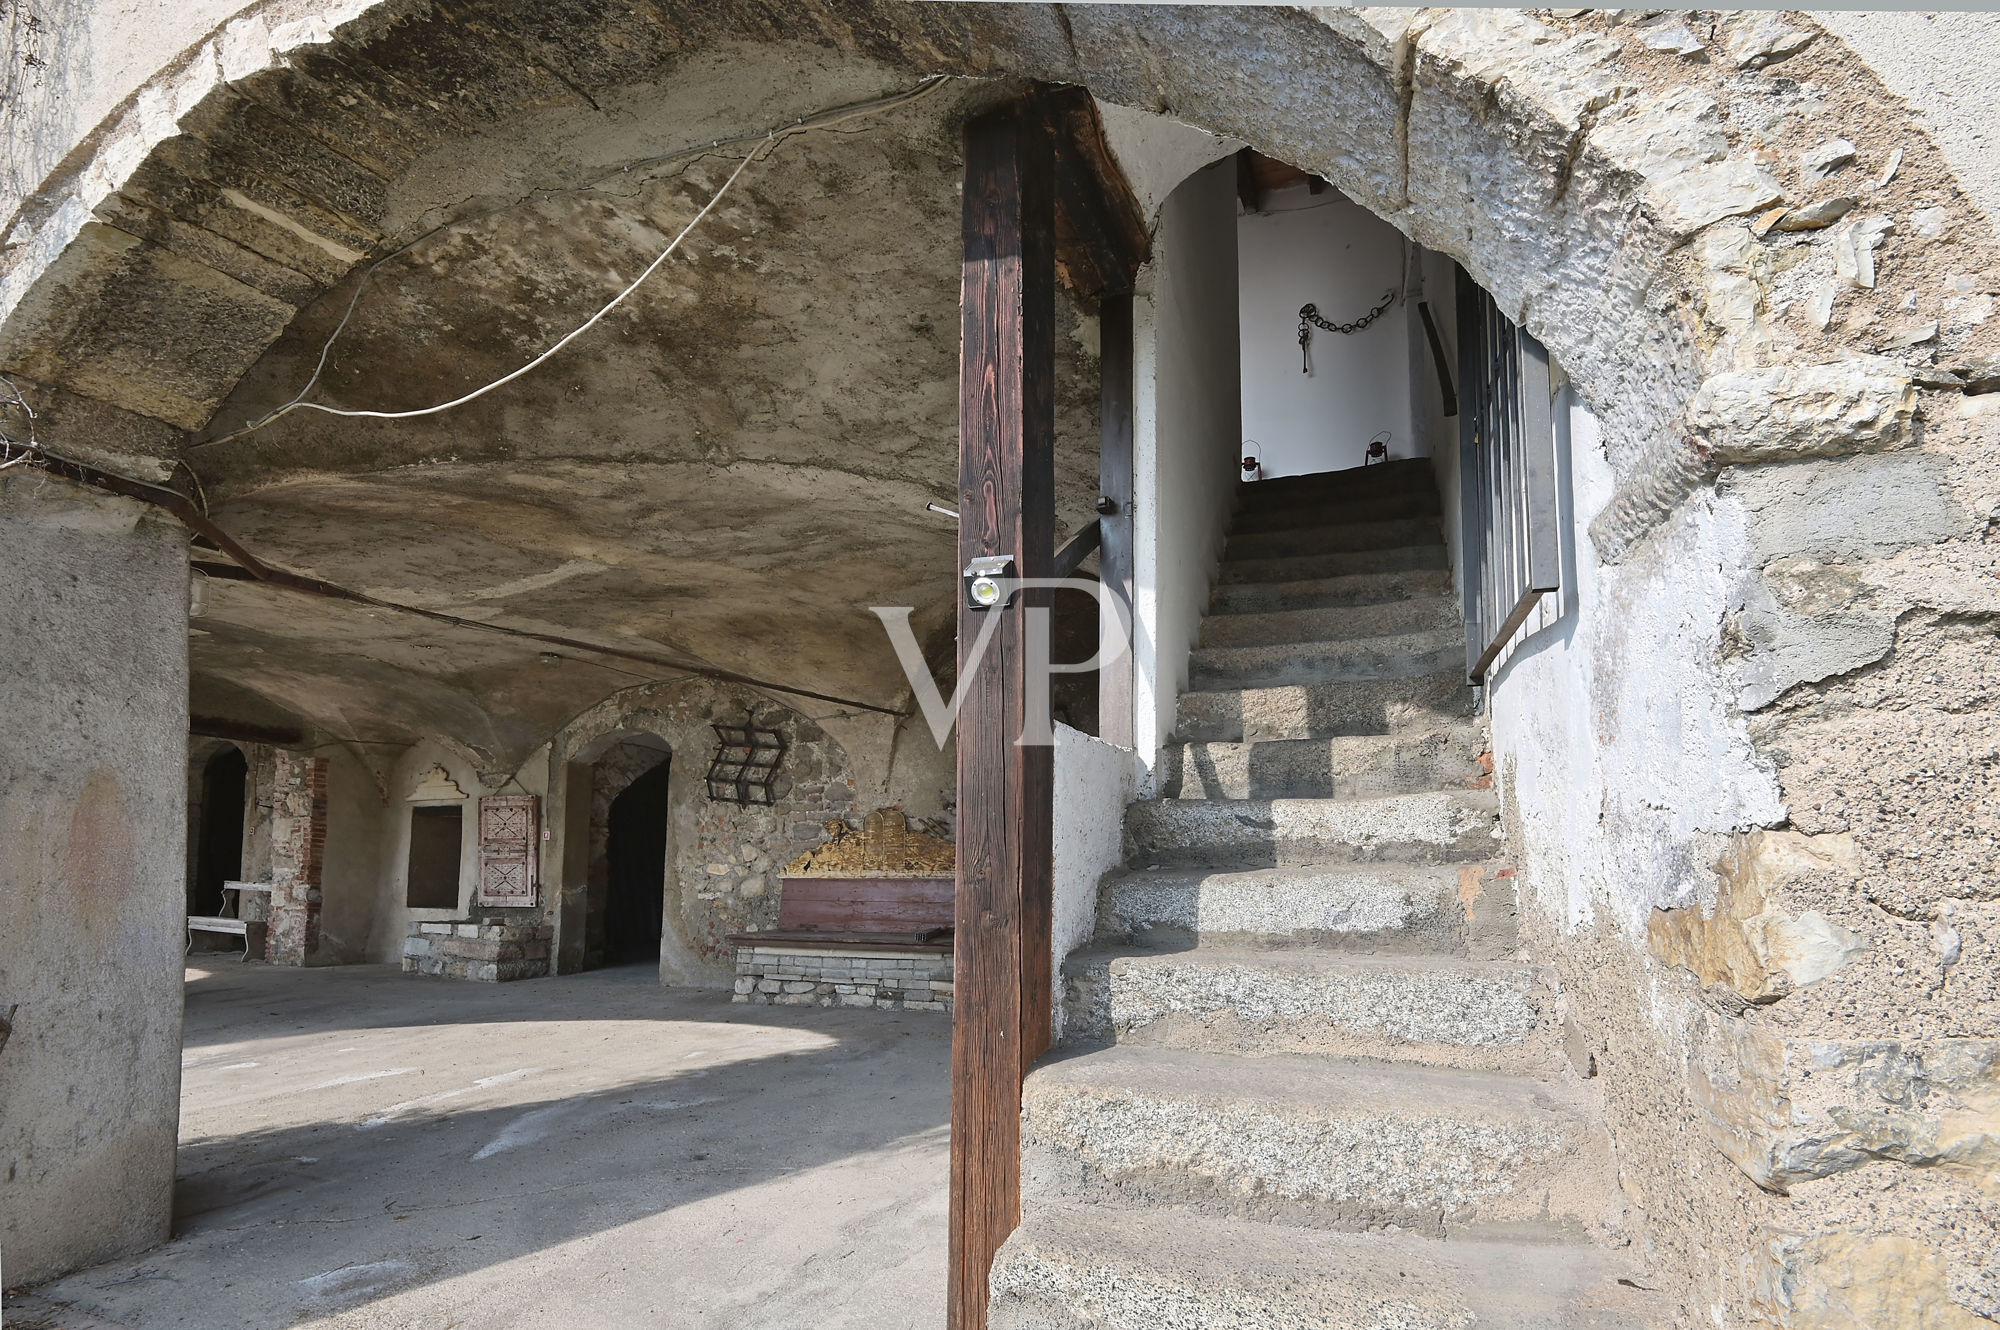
(746, 762)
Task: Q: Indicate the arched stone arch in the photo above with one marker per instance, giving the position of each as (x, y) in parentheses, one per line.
(1616, 199)
(723, 860)
(1520, 147)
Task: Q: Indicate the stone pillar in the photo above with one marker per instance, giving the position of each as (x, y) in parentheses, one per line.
(298, 854)
(93, 795)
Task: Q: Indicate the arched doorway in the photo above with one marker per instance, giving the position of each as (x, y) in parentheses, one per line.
(225, 780)
(626, 896)
(636, 869)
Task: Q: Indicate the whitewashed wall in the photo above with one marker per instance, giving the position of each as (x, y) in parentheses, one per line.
(1341, 257)
(1093, 785)
(1185, 427)
(1613, 731)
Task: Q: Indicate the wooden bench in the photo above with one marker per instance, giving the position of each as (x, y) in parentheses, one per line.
(230, 922)
(862, 912)
(853, 942)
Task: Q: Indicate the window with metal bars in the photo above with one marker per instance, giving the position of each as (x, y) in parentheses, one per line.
(1511, 544)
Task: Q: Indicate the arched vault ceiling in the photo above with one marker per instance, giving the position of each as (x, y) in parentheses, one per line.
(730, 468)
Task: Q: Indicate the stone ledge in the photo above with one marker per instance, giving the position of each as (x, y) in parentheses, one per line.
(485, 952)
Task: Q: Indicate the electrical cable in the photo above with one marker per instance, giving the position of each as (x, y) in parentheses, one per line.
(823, 120)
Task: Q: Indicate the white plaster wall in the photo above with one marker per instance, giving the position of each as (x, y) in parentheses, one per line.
(93, 795)
(1325, 249)
(1186, 423)
(1093, 784)
(1157, 153)
(1616, 745)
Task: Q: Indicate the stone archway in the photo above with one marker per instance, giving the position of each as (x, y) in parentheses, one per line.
(1630, 207)
(616, 761)
(721, 859)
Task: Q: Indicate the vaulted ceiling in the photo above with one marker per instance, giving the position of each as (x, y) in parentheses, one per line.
(730, 468)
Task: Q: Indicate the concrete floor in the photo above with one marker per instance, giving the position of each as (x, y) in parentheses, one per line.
(361, 1149)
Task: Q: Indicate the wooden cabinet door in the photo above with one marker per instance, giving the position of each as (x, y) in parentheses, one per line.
(509, 837)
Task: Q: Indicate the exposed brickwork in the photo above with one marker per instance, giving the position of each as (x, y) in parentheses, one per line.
(490, 952)
(843, 977)
(298, 854)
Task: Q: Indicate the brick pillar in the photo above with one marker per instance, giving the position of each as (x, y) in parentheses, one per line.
(298, 849)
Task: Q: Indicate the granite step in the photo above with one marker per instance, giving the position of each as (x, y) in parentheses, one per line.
(1352, 767)
(1441, 1012)
(1325, 593)
(1434, 827)
(1331, 538)
(1344, 563)
(1403, 614)
(1324, 710)
(1391, 908)
(1318, 1142)
(1390, 656)
(1077, 1268)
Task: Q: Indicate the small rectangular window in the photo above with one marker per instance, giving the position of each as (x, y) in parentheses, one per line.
(435, 840)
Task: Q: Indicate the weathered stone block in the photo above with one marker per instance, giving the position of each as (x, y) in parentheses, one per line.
(1788, 1111)
(1762, 415)
(1746, 943)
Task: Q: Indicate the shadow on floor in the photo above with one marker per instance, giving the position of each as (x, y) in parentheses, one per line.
(524, 1144)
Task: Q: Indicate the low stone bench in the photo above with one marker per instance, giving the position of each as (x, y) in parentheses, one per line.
(493, 953)
(853, 942)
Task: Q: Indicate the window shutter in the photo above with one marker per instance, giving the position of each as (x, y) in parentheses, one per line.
(509, 837)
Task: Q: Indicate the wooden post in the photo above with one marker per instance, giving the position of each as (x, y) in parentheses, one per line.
(1114, 482)
(1002, 984)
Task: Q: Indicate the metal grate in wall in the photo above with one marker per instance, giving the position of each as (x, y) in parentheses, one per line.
(1507, 477)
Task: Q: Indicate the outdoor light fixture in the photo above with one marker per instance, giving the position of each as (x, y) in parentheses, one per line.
(985, 580)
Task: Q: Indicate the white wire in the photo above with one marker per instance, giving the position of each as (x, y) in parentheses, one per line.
(568, 337)
(804, 124)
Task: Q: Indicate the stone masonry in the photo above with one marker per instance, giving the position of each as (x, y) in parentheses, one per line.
(494, 953)
(298, 852)
(888, 977)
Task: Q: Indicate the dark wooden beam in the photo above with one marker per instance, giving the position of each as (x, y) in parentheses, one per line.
(1101, 236)
(1077, 548)
(1114, 485)
(1248, 192)
(1002, 969)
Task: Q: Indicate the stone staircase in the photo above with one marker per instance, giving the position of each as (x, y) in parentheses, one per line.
(1307, 1080)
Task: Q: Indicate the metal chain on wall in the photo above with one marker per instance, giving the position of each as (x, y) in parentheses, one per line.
(1310, 317)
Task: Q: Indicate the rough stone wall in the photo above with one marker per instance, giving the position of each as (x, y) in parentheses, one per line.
(723, 859)
(298, 858)
(1747, 763)
(795, 976)
(493, 953)
(93, 688)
